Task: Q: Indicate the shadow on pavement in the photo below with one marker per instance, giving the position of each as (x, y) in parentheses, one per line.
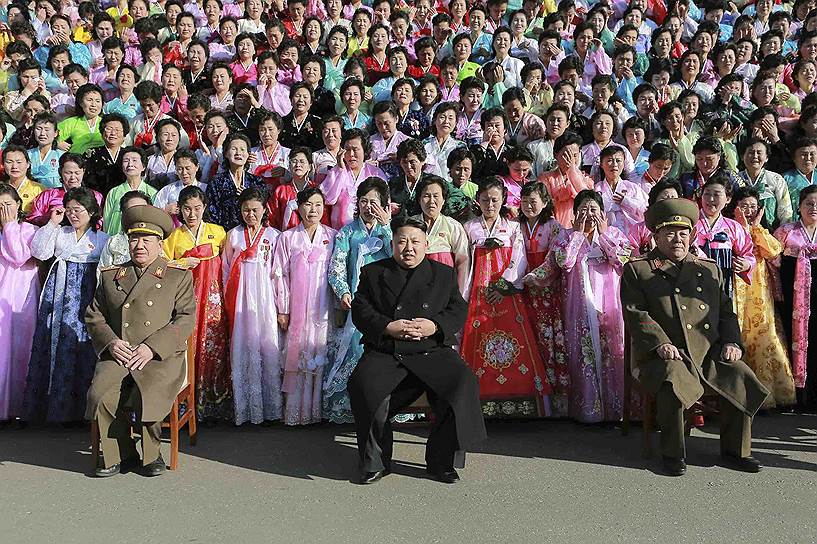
(329, 451)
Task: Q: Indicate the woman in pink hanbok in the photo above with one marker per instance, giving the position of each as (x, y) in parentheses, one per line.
(591, 256)
(640, 237)
(304, 300)
(498, 342)
(19, 291)
(624, 201)
(339, 187)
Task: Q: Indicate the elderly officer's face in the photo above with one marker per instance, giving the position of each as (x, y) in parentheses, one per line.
(144, 248)
(410, 245)
(673, 242)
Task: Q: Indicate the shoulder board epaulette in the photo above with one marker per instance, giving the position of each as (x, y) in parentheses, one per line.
(109, 268)
(637, 259)
(177, 265)
(704, 259)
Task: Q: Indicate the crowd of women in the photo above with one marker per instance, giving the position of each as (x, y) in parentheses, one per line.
(283, 136)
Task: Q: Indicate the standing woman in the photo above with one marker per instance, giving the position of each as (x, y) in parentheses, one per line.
(301, 268)
(63, 358)
(223, 189)
(498, 342)
(81, 132)
(363, 241)
(447, 239)
(591, 255)
(19, 288)
(17, 168)
(766, 353)
(335, 59)
(798, 274)
(282, 203)
(134, 163)
(442, 143)
(299, 126)
(198, 244)
(542, 289)
(249, 297)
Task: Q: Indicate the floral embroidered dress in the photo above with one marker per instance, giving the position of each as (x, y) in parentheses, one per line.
(630, 211)
(355, 246)
(222, 197)
(62, 358)
(498, 342)
(563, 188)
(302, 291)
(340, 191)
(255, 345)
(19, 289)
(545, 310)
(796, 264)
(213, 387)
(384, 153)
(594, 322)
(760, 326)
(721, 242)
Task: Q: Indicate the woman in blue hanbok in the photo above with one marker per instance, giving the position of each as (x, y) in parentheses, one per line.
(366, 239)
(63, 358)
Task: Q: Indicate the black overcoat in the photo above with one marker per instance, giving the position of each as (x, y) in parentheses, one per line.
(431, 292)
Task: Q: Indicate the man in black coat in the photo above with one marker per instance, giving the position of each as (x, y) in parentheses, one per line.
(409, 310)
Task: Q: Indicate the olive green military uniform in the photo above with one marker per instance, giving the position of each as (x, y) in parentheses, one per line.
(155, 306)
(684, 304)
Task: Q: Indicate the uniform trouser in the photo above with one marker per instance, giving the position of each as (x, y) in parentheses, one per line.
(113, 418)
(376, 443)
(736, 426)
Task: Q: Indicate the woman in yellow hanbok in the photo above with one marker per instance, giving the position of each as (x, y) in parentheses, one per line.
(761, 328)
(197, 245)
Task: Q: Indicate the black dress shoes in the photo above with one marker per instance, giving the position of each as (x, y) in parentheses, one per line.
(367, 478)
(674, 466)
(102, 472)
(446, 476)
(743, 464)
(155, 468)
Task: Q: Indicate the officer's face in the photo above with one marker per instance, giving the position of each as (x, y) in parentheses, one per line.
(144, 248)
(673, 242)
(409, 245)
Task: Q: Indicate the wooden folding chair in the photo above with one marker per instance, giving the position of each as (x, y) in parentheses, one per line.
(647, 400)
(177, 419)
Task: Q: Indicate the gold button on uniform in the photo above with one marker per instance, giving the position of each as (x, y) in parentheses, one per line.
(150, 303)
(683, 307)
(147, 323)
(702, 306)
(699, 289)
(677, 290)
(127, 305)
(706, 326)
(689, 326)
(125, 325)
(158, 286)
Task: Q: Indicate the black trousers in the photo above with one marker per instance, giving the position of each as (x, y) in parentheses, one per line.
(375, 443)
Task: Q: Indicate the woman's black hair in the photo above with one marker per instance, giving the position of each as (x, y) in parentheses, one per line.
(804, 192)
(308, 192)
(587, 194)
(259, 194)
(81, 92)
(431, 179)
(189, 193)
(75, 158)
(662, 186)
(739, 194)
(534, 187)
(374, 184)
(493, 182)
(86, 198)
(357, 134)
(6, 189)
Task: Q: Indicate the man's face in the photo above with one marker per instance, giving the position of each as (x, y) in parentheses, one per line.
(144, 248)
(410, 245)
(673, 242)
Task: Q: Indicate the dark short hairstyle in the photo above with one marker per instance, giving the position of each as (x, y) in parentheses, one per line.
(86, 198)
(409, 146)
(662, 186)
(587, 194)
(402, 221)
(133, 195)
(431, 179)
(6, 189)
(374, 184)
(308, 192)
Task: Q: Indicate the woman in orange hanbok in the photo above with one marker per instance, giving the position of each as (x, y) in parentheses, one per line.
(498, 342)
(198, 245)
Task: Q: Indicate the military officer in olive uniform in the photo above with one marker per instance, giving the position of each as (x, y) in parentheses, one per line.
(686, 339)
(139, 321)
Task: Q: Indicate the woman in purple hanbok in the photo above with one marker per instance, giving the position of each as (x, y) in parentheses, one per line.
(19, 288)
(591, 256)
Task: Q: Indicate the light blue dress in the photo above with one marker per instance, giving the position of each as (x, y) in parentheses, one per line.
(354, 248)
(46, 172)
(130, 108)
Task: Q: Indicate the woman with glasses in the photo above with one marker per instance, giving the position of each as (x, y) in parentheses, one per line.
(63, 358)
(282, 202)
(765, 352)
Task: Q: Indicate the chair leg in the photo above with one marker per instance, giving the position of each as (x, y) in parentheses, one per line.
(192, 430)
(174, 437)
(95, 443)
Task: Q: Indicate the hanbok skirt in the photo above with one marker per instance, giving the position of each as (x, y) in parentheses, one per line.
(62, 357)
(499, 345)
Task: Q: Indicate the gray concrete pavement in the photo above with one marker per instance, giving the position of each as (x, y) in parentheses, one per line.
(531, 482)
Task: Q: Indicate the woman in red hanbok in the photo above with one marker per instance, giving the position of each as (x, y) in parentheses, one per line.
(498, 342)
(543, 283)
(198, 245)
